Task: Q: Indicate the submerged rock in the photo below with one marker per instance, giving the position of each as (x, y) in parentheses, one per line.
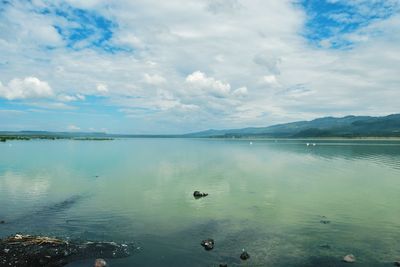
(39, 251)
(349, 258)
(207, 244)
(244, 256)
(325, 246)
(2, 222)
(396, 263)
(325, 221)
(100, 263)
(198, 194)
(223, 265)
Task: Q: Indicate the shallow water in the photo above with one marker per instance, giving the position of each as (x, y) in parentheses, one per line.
(268, 197)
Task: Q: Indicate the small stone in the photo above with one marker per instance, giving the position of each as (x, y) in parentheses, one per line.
(244, 256)
(6, 250)
(223, 265)
(198, 194)
(100, 263)
(2, 222)
(325, 221)
(208, 244)
(396, 263)
(349, 258)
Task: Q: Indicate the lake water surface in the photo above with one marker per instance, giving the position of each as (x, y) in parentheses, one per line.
(268, 197)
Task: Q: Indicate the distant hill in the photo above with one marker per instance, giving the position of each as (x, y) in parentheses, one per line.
(24, 135)
(349, 126)
(54, 134)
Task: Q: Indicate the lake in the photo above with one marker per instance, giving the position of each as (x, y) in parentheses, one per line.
(268, 197)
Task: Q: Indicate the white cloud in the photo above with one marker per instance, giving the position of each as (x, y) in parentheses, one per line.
(73, 127)
(70, 98)
(268, 61)
(51, 105)
(102, 88)
(270, 80)
(129, 39)
(29, 87)
(11, 112)
(199, 80)
(154, 79)
(241, 92)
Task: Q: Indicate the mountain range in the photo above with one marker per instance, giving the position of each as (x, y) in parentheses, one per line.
(349, 126)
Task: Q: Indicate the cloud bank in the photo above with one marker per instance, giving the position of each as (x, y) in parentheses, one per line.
(180, 66)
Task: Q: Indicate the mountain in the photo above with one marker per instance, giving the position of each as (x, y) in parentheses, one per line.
(349, 126)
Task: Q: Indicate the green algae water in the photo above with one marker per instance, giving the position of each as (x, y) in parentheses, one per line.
(268, 197)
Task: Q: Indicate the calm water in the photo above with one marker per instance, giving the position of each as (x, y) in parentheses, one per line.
(268, 198)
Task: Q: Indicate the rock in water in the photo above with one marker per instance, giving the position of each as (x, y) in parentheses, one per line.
(223, 265)
(349, 258)
(100, 263)
(208, 244)
(2, 222)
(198, 194)
(244, 256)
(396, 263)
(325, 221)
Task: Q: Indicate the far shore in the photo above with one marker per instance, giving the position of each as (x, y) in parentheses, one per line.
(5, 138)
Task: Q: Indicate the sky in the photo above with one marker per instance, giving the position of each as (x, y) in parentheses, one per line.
(178, 66)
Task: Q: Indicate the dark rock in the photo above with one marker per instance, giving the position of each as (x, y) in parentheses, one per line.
(396, 263)
(244, 256)
(325, 221)
(349, 258)
(198, 194)
(208, 244)
(39, 251)
(223, 265)
(2, 222)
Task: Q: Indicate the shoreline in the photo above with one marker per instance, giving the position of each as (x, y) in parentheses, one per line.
(53, 138)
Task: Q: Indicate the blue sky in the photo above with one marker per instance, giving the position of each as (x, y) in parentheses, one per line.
(182, 66)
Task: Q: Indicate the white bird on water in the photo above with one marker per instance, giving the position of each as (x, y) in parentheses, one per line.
(308, 144)
(251, 143)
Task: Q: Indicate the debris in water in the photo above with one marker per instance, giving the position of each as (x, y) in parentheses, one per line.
(41, 251)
